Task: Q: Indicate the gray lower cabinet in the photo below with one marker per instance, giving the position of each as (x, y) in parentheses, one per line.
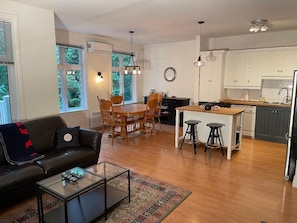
(272, 123)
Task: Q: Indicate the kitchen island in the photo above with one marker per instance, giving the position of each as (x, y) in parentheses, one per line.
(232, 118)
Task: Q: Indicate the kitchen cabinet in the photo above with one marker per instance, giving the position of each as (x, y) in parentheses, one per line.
(212, 76)
(243, 69)
(168, 109)
(279, 62)
(272, 123)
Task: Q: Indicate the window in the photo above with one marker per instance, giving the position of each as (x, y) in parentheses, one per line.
(122, 83)
(71, 78)
(6, 66)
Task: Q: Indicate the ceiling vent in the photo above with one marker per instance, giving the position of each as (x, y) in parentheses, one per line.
(97, 47)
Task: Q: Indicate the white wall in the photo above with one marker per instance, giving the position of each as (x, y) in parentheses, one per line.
(35, 90)
(179, 55)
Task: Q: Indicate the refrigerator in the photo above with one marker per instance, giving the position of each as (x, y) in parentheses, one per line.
(291, 155)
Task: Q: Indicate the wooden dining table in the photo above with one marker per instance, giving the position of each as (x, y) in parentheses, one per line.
(130, 112)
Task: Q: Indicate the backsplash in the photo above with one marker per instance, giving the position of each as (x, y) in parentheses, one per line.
(269, 90)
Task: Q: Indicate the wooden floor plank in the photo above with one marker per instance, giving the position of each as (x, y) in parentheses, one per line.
(249, 188)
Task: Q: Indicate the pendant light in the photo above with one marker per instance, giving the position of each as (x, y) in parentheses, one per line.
(199, 62)
(133, 69)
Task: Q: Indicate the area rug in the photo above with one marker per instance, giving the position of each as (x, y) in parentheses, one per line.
(151, 201)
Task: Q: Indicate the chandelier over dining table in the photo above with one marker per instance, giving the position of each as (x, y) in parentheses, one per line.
(132, 69)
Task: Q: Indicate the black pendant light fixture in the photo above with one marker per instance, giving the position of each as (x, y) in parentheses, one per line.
(199, 62)
(133, 69)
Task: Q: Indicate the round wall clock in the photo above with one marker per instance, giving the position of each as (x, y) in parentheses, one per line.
(170, 74)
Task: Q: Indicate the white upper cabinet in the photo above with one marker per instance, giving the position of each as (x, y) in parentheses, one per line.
(243, 69)
(212, 76)
(279, 62)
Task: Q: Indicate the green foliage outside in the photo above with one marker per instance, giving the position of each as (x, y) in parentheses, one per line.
(116, 85)
(4, 90)
(73, 77)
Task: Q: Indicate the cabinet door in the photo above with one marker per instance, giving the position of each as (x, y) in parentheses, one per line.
(212, 76)
(272, 123)
(263, 123)
(254, 69)
(279, 62)
(281, 127)
(236, 69)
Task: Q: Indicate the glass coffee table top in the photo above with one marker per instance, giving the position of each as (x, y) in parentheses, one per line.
(106, 170)
(66, 188)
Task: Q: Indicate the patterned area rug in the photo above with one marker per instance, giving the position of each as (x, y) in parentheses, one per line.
(151, 201)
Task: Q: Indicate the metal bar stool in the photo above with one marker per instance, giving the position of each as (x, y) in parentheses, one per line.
(214, 137)
(191, 132)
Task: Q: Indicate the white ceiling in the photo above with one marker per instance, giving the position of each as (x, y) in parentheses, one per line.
(159, 21)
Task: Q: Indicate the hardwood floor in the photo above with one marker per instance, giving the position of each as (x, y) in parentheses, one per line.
(249, 188)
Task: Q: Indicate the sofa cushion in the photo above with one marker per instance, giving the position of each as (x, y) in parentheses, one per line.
(67, 137)
(42, 132)
(59, 160)
(18, 176)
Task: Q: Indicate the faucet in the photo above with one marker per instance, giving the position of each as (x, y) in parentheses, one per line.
(287, 97)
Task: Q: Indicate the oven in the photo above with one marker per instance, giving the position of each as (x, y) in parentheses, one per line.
(249, 120)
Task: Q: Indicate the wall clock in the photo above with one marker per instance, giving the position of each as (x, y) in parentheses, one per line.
(170, 74)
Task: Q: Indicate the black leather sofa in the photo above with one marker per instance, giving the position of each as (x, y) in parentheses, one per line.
(18, 182)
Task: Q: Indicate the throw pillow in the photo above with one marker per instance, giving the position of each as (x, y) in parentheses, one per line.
(67, 137)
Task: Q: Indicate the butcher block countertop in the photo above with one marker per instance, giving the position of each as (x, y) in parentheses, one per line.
(256, 103)
(220, 111)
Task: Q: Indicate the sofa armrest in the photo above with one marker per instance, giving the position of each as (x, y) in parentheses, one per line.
(90, 138)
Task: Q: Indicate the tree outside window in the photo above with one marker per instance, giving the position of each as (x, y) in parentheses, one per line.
(71, 78)
(122, 83)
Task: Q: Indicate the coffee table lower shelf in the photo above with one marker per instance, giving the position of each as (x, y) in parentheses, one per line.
(87, 207)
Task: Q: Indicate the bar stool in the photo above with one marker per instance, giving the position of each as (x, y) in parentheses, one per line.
(191, 132)
(214, 137)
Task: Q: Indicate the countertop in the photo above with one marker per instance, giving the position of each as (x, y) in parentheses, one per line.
(256, 103)
(220, 111)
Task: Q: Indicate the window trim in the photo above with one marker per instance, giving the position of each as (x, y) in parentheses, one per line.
(63, 67)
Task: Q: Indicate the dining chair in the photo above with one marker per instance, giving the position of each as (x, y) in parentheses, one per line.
(147, 122)
(159, 98)
(117, 99)
(112, 120)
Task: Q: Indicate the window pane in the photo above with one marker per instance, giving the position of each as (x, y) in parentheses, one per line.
(73, 86)
(58, 55)
(127, 60)
(60, 89)
(4, 90)
(128, 86)
(115, 60)
(72, 56)
(116, 87)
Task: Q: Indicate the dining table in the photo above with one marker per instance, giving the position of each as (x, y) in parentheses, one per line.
(130, 112)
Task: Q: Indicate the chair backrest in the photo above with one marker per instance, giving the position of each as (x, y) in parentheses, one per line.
(117, 99)
(106, 110)
(151, 108)
(157, 96)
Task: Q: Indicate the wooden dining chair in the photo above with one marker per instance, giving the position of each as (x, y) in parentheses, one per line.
(147, 122)
(112, 120)
(117, 99)
(159, 98)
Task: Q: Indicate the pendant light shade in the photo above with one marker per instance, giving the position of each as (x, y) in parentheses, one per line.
(132, 69)
(199, 62)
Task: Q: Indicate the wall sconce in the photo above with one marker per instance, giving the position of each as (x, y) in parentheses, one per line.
(99, 78)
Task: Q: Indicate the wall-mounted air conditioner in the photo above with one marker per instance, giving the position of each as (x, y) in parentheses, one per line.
(99, 47)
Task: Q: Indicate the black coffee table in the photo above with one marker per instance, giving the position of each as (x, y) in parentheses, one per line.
(86, 199)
